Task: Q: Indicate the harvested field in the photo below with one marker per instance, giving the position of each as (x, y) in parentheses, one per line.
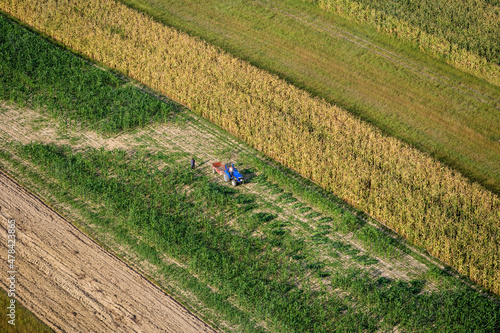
(72, 284)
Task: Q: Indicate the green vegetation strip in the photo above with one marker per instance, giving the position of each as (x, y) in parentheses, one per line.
(25, 321)
(245, 269)
(37, 74)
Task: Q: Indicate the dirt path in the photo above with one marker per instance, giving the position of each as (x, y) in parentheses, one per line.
(72, 284)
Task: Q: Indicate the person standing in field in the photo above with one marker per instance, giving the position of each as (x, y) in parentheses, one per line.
(192, 163)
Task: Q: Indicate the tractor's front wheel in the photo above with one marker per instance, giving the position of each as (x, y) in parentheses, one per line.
(226, 178)
(234, 182)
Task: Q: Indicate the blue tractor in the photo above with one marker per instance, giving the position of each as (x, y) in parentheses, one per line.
(230, 173)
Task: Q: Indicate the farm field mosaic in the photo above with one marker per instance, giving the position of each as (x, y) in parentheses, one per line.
(276, 254)
(429, 204)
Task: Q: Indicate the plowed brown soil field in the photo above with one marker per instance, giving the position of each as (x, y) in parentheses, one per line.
(72, 283)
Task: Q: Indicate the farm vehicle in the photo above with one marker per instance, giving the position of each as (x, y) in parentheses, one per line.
(229, 172)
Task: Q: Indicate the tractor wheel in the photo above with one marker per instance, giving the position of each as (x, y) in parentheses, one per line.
(234, 182)
(226, 178)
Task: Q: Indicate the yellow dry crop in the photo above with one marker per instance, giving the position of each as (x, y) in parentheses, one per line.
(410, 192)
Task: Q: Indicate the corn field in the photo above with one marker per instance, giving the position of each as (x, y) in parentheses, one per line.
(464, 32)
(419, 198)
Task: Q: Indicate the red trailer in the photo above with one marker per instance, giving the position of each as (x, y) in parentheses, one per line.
(218, 167)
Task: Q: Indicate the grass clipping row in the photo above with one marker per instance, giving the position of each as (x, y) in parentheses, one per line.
(421, 199)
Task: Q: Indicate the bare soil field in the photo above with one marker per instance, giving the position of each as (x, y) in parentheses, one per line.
(72, 283)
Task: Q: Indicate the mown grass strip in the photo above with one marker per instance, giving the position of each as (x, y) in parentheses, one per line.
(190, 226)
(464, 32)
(429, 204)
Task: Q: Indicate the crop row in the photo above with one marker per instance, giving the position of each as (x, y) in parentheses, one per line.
(37, 74)
(464, 32)
(410, 192)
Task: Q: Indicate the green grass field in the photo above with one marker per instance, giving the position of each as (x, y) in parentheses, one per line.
(25, 321)
(70, 88)
(449, 114)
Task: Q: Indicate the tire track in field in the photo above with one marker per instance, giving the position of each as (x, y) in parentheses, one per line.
(336, 32)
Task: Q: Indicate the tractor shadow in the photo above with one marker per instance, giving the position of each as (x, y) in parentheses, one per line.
(248, 175)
